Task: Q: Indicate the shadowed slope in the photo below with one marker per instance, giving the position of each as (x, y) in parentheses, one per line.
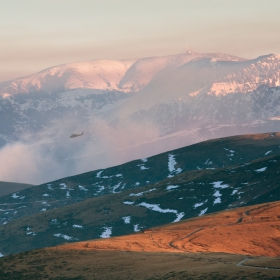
(183, 196)
(208, 155)
(10, 187)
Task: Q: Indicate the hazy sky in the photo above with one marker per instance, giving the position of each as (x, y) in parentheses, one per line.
(36, 34)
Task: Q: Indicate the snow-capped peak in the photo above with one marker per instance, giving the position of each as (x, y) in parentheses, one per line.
(102, 74)
(123, 75)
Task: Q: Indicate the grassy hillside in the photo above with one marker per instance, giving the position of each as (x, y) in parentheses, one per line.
(104, 265)
(209, 155)
(186, 195)
(250, 231)
(197, 248)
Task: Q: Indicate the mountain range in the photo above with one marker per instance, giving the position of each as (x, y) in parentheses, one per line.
(132, 109)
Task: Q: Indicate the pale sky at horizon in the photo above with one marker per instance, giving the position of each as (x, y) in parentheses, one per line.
(37, 34)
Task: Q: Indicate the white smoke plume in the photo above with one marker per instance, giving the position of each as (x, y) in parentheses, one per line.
(51, 154)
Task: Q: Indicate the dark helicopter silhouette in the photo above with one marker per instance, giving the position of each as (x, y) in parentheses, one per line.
(76, 135)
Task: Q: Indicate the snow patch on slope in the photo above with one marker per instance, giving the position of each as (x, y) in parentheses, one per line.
(106, 233)
(157, 208)
(171, 166)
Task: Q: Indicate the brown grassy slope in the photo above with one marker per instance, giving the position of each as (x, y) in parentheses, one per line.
(81, 264)
(183, 250)
(252, 230)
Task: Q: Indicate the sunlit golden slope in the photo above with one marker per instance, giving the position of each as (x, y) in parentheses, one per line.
(253, 230)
